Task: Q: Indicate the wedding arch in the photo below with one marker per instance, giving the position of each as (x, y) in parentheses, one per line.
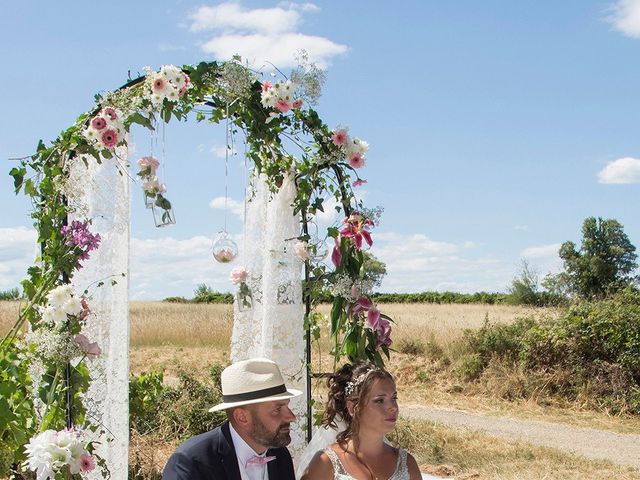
(64, 406)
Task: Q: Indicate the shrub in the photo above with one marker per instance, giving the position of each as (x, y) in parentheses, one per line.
(13, 294)
(175, 412)
(411, 346)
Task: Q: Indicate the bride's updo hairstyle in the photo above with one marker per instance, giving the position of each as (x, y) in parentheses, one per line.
(351, 383)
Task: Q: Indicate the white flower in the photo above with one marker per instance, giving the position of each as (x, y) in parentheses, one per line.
(73, 306)
(54, 316)
(170, 72)
(39, 457)
(59, 295)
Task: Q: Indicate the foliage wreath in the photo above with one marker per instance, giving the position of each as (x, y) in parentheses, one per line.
(273, 119)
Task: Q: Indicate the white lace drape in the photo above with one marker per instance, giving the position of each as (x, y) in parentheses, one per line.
(101, 193)
(274, 326)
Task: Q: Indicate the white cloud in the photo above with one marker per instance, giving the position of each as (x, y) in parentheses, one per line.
(220, 152)
(18, 249)
(522, 228)
(234, 206)
(625, 17)
(166, 267)
(417, 263)
(262, 35)
(543, 258)
(232, 16)
(622, 170)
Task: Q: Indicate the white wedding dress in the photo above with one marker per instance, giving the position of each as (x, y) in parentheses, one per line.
(339, 473)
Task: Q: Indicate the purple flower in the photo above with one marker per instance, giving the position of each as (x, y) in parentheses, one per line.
(78, 235)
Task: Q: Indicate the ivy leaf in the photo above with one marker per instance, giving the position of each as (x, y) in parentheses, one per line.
(139, 119)
(18, 177)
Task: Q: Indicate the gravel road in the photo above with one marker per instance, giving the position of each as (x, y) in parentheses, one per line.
(623, 449)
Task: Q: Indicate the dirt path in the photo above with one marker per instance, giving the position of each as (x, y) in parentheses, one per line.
(623, 449)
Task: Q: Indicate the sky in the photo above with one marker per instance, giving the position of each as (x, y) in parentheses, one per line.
(495, 127)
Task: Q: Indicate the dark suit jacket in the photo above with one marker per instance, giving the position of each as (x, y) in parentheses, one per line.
(211, 456)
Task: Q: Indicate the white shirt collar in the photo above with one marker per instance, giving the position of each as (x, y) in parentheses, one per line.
(243, 451)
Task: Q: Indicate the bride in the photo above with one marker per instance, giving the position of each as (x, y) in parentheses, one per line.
(364, 397)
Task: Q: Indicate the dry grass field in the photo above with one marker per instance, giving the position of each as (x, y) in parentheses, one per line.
(192, 337)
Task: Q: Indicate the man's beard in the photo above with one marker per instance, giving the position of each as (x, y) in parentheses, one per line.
(269, 439)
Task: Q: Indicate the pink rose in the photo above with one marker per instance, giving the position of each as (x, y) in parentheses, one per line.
(150, 162)
(297, 104)
(300, 251)
(238, 275)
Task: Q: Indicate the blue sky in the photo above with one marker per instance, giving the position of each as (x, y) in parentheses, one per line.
(495, 127)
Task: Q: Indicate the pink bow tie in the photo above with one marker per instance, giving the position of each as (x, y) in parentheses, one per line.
(256, 460)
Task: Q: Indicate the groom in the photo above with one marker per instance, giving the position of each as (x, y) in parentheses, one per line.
(251, 445)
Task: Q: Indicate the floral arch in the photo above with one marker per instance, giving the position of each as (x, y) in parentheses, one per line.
(46, 356)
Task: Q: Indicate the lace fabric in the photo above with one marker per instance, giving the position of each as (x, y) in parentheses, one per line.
(273, 326)
(339, 472)
(100, 192)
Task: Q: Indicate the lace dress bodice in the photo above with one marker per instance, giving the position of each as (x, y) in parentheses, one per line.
(339, 473)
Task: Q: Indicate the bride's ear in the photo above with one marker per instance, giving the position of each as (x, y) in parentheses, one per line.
(351, 408)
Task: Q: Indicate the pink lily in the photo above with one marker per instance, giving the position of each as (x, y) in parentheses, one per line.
(356, 228)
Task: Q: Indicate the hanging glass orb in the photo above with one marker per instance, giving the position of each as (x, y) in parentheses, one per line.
(318, 250)
(224, 249)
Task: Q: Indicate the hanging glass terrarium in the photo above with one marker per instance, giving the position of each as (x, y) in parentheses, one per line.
(317, 249)
(224, 249)
(162, 217)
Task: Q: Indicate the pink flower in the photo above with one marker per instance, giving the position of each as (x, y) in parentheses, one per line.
(356, 228)
(109, 138)
(98, 123)
(111, 113)
(297, 103)
(356, 160)
(87, 463)
(238, 275)
(90, 349)
(359, 182)
(384, 333)
(266, 86)
(85, 310)
(300, 251)
(336, 256)
(339, 137)
(148, 165)
(159, 85)
(282, 106)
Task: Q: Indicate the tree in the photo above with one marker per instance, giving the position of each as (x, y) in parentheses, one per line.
(374, 269)
(524, 286)
(605, 262)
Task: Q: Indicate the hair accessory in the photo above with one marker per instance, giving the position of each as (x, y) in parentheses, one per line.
(353, 384)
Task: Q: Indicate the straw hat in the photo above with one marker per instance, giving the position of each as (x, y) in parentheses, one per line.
(252, 381)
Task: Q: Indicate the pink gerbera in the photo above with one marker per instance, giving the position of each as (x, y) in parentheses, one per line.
(111, 113)
(339, 137)
(98, 123)
(266, 86)
(297, 103)
(283, 106)
(87, 463)
(159, 85)
(109, 138)
(356, 160)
